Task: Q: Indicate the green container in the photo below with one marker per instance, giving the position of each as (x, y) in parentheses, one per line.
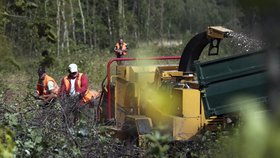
(231, 84)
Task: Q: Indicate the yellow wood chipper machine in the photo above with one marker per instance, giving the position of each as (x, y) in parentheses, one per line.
(184, 98)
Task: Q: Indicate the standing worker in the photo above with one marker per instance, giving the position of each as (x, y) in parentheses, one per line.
(75, 85)
(47, 88)
(120, 48)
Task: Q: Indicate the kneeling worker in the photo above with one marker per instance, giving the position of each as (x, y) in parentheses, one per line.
(47, 88)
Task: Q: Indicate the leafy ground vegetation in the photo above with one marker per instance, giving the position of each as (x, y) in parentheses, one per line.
(29, 130)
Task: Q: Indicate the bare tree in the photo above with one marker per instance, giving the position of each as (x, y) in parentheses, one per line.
(109, 21)
(73, 21)
(120, 9)
(161, 20)
(148, 20)
(89, 30)
(93, 21)
(135, 12)
(46, 13)
(58, 26)
(83, 21)
(65, 30)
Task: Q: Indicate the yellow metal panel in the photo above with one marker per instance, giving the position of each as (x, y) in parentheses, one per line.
(169, 74)
(185, 128)
(121, 72)
(125, 99)
(162, 72)
(217, 32)
(187, 102)
(144, 78)
(120, 91)
(143, 74)
(203, 119)
(142, 68)
(191, 102)
(120, 117)
(136, 73)
(140, 117)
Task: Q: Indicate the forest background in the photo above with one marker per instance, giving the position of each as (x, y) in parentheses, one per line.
(85, 32)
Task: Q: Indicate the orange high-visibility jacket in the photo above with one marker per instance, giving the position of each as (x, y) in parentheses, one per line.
(42, 87)
(88, 95)
(124, 47)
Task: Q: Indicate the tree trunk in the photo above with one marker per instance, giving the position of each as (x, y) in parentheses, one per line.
(148, 20)
(109, 23)
(58, 26)
(169, 28)
(46, 12)
(136, 14)
(65, 30)
(89, 30)
(190, 23)
(135, 2)
(161, 20)
(73, 21)
(83, 21)
(120, 9)
(93, 21)
(123, 20)
(2, 8)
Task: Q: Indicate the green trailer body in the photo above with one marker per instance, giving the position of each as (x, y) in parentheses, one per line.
(230, 84)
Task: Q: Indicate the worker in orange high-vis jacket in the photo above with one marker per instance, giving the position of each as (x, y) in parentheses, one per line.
(47, 88)
(120, 48)
(75, 85)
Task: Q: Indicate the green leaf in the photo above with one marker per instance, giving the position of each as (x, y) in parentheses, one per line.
(39, 148)
(38, 139)
(29, 144)
(31, 5)
(12, 119)
(19, 3)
